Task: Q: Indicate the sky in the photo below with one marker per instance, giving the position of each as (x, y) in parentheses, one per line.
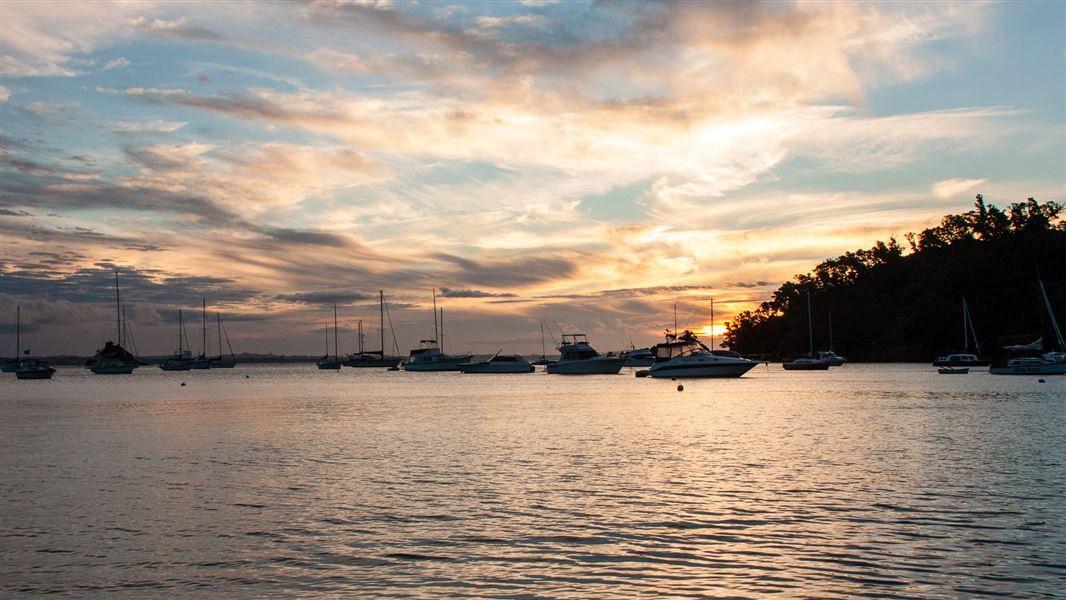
(583, 164)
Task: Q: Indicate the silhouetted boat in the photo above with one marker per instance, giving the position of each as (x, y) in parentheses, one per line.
(181, 360)
(577, 357)
(326, 362)
(113, 359)
(500, 363)
(964, 358)
(686, 356)
(953, 370)
(638, 357)
(373, 358)
(34, 368)
(543, 360)
(809, 362)
(203, 361)
(223, 362)
(834, 359)
(1050, 362)
(429, 356)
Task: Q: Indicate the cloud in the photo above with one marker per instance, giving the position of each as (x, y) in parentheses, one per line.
(950, 188)
(4, 94)
(153, 126)
(326, 297)
(450, 293)
(117, 63)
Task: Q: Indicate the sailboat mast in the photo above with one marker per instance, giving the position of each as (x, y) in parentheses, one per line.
(675, 320)
(203, 318)
(830, 330)
(542, 355)
(965, 334)
(810, 326)
(218, 325)
(381, 309)
(336, 354)
(436, 331)
(118, 312)
(441, 330)
(180, 327)
(712, 323)
(1051, 316)
(360, 336)
(18, 332)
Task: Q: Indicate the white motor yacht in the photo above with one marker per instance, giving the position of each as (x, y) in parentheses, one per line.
(428, 357)
(501, 363)
(686, 356)
(577, 357)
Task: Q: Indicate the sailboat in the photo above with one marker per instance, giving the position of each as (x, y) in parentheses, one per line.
(202, 361)
(964, 358)
(223, 362)
(113, 359)
(326, 362)
(543, 360)
(29, 368)
(1051, 362)
(829, 356)
(809, 362)
(429, 356)
(373, 358)
(182, 359)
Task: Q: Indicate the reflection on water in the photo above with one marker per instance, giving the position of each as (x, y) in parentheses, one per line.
(867, 480)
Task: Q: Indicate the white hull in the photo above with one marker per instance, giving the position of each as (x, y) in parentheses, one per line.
(448, 364)
(591, 366)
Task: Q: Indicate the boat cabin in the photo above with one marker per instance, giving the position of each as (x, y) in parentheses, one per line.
(575, 346)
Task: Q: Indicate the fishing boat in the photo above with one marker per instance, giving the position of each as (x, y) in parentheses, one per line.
(220, 361)
(182, 359)
(34, 368)
(28, 368)
(113, 358)
(809, 362)
(964, 358)
(1052, 361)
(326, 362)
(499, 363)
(638, 357)
(685, 355)
(578, 357)
(430, 356)
(373, 358)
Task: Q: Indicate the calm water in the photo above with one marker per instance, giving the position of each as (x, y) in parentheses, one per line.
(867, 480)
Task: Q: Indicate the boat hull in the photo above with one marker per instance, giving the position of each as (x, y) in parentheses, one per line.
(378, 363)
(953, 370)
(592, 366)
(640, 362)
(700, 370)
(223, 363)
(112, 369)
(36, 373)
(434, 366)
(201, 363)
(175, 366)
(961, 363)
(496, 368)
(9, 366)
(1058, 368)
(329, 365)
(806, 366)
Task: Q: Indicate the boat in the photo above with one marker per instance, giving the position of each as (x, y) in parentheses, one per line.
(113, 358)
(429, 356)
(220, 361)
(685, 355)
(182, 359)
(577, 357)
(638, 357)
(1050, 362)
(964, 358)
(203, 361)
(834, 359)
(373, 358)
(11, 365)
(499, 363)
(953, 370)
(543, 360)
(28, 368)
(326, 362)
(809, 362)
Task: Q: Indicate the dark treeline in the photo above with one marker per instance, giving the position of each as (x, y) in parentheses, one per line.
(891, 303)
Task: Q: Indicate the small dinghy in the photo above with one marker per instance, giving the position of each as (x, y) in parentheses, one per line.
(953, 370)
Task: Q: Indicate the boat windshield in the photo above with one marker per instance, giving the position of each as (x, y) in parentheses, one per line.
(676, 349)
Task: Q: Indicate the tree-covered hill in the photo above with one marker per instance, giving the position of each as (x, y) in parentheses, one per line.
(889, 303)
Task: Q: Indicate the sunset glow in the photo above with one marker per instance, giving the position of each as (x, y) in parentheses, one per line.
(580, 164)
